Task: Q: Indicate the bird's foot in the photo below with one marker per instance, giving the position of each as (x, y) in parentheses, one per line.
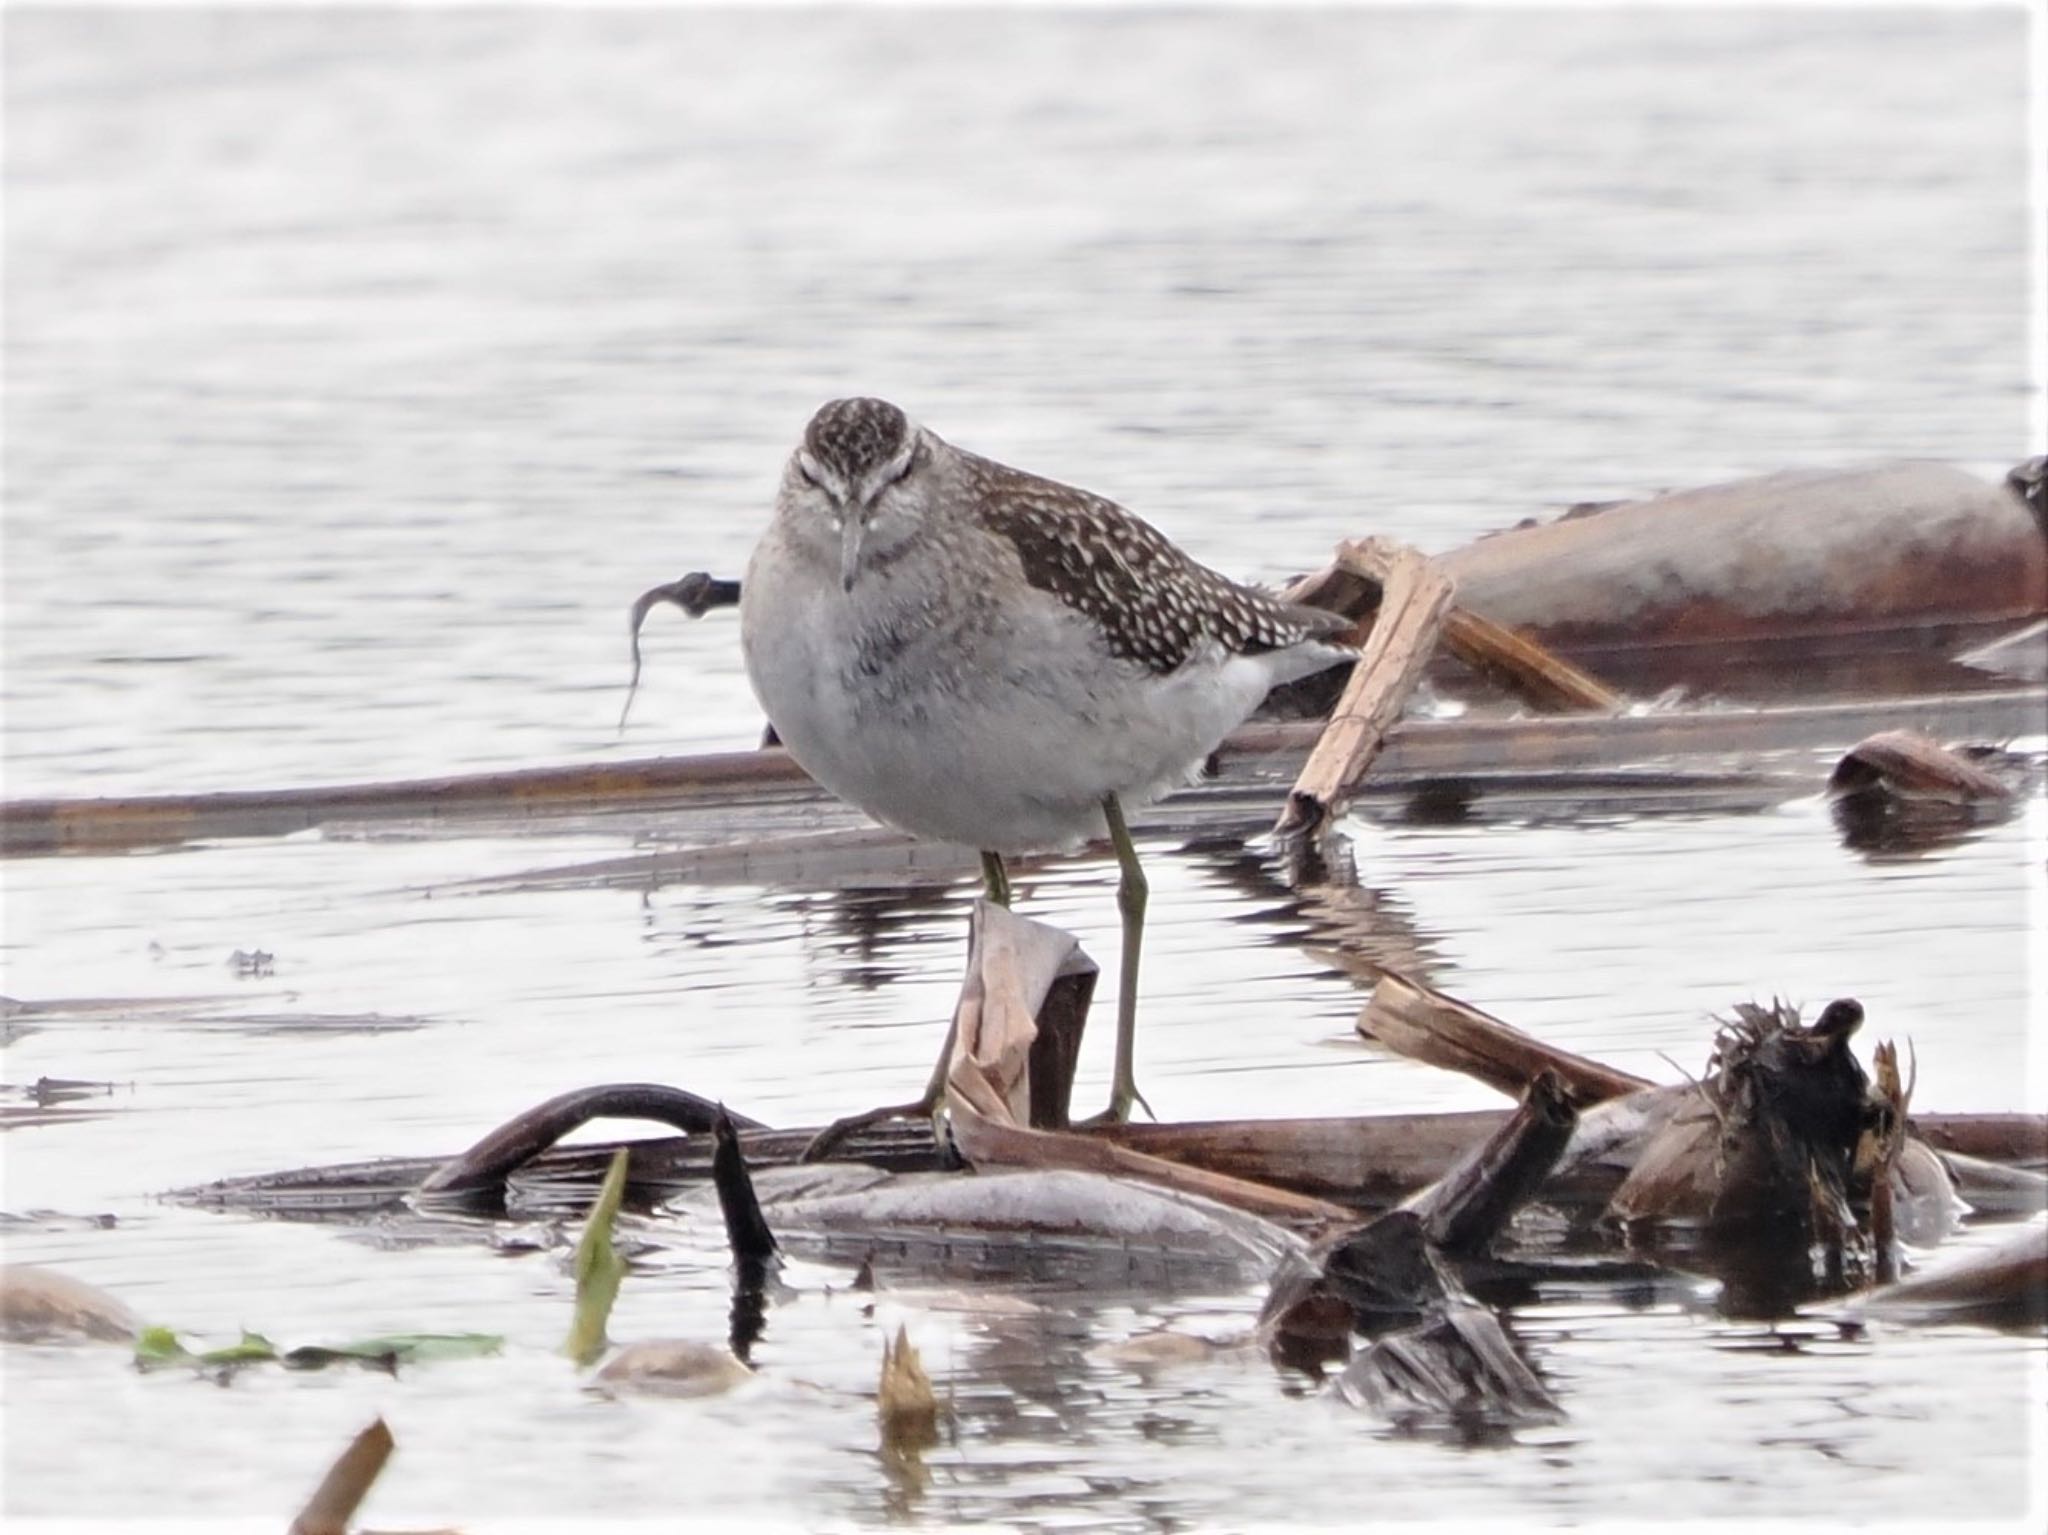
(828, 1140)
(1121, 1101)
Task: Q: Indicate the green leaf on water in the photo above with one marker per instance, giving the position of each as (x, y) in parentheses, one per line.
(599, 1269)
(156, 1347)
(396, 1349)
(253, 1348)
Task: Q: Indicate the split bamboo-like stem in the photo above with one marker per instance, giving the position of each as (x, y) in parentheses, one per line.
(1540, 678)
(1414, 598)
(1426, 1025)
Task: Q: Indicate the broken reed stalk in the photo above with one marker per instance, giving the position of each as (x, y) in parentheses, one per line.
(1543, 680)
(346, 1483)
(1413, 600)
(1013, 965)
(1424, 1024)
(1473, 1203)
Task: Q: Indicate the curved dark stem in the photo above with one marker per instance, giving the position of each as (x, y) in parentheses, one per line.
(746, 1228)
(696, 594)
(487, 1164)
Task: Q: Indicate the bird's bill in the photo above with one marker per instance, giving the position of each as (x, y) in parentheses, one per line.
(853, 528)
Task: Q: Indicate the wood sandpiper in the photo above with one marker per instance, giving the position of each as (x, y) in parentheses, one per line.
(976, 655)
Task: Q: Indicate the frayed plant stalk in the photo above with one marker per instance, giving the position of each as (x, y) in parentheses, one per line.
(908, 1408)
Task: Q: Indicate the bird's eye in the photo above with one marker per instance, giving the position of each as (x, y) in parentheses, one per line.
(809, 471)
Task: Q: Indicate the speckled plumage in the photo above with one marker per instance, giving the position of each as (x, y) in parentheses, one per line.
(978, 655)
(1152, 603)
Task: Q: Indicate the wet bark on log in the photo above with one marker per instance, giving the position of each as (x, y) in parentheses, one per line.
(1781, 557)
(1913, 766)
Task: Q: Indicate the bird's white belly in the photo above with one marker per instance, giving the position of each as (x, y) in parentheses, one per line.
(1011, 755)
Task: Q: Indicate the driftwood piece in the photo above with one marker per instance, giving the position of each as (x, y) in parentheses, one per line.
(1404, 635)
(1471, 1205)
(1060, 978)
(1353, 584)
(1499, 752)
(44, 1305)
(1910, 765)
(2005, 1284)
(1420, 1022)
(1371, 1162)
(1782, 557)
(1434, 1354)
(746, 1228)
(1012, 963)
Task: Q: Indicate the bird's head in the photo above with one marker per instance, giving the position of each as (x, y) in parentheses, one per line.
(860, 479)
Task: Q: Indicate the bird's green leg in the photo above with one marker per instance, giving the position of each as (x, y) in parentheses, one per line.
(995, 883)
(1131, 894)
(995, 879)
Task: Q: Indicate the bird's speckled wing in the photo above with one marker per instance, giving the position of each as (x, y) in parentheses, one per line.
(1152, 603)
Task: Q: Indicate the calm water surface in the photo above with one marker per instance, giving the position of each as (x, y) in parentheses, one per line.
(361, 367)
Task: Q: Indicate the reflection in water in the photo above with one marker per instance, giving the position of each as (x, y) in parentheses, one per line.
(1307, 894)
(855, 930)
(1761, 1278)
(1887, 828)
